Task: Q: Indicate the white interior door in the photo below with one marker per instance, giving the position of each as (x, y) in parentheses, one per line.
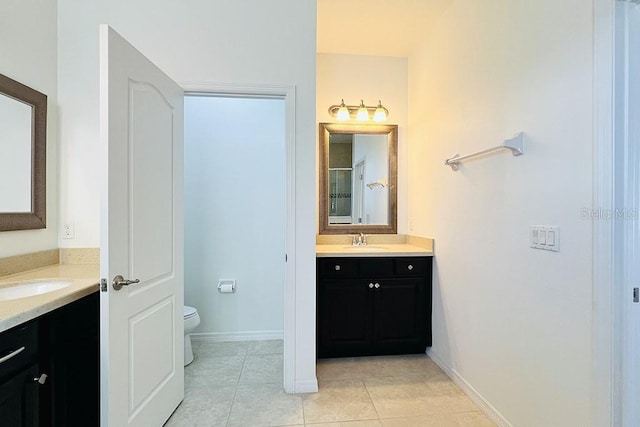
(141, 131)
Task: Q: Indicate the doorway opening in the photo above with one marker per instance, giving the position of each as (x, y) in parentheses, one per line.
(236, 216)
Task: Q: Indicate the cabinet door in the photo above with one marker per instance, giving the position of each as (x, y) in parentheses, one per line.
(344, 318)
(19, 399)
(73, 358)
(400, 319)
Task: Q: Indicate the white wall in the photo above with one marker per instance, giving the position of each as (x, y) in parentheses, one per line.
(246, 41)
(28, 55)
(370, 78)
(235, 213)
(513, 322)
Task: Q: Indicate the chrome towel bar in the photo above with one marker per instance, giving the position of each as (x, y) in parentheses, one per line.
(515, 144)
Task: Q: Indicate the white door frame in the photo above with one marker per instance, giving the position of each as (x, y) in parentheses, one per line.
(288, 94)
(358, 208)
(604, 396)
(628, 188)
(611, 191)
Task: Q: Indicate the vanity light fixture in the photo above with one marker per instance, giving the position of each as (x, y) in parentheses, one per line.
(361, 113)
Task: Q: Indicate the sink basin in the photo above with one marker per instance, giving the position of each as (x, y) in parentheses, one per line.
(23, 290)
(365, 248)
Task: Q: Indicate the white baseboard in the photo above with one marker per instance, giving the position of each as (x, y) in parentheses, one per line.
(238, 336)
(306, 386)
(473, 394)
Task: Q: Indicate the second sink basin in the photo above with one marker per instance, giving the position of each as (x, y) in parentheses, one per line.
(23, 290)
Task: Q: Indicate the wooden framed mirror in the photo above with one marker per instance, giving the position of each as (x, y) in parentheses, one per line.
(23, 156)
(358, 178)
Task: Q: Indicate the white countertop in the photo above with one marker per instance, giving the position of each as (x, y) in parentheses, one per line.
(84, 281)
(371, 250)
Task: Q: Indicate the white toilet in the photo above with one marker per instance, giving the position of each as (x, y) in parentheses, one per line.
(191, 321)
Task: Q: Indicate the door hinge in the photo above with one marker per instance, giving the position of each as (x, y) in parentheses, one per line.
(285, 258)
(636, 295)
(103, 285)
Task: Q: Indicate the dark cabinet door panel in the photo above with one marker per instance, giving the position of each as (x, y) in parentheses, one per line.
(400, 315)
(73, 358)
(19, 399)
(345, 323)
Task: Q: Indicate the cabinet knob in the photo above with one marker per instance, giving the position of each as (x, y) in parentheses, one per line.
(337, 267)
(41, 379)
(410, 267)
(370, 285)
(377, 285)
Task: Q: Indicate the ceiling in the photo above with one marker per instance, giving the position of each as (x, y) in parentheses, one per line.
(375, 27)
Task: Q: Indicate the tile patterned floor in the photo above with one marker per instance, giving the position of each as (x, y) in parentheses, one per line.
(239, 384)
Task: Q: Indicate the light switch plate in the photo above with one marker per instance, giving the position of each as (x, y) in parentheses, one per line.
(544, 237)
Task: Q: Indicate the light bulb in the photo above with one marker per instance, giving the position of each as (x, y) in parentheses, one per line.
(363, 114)
(343, 112)
(381, 113)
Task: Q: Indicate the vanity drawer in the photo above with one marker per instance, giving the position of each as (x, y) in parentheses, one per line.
(338, 267)
(409, 266)
(376, 266)
(23, 337)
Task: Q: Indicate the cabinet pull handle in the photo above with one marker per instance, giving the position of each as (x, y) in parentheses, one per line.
(12, 354)
(337, 267)
(377, 285)
(410, 267)
(370, 285)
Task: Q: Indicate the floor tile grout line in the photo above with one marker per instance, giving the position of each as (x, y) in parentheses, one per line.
(235, 392)
(304, 419)
(364, 384)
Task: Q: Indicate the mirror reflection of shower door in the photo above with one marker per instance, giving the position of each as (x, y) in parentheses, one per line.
(358, 192)
(340, 196)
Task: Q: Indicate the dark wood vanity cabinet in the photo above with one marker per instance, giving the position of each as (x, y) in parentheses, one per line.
(71, 336)
(64, 345)
(373, 306)
(19, 391)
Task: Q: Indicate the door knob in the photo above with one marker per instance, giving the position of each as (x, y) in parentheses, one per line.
(410, 267)
(370, 285)
(119, 282)
(377, 285)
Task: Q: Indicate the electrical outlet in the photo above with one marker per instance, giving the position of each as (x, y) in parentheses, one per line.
(68, 231)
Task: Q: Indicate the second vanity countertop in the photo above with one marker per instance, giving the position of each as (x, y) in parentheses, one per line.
(371, 250)
(84, 281)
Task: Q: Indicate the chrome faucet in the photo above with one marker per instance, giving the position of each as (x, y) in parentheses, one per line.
(359, 239)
